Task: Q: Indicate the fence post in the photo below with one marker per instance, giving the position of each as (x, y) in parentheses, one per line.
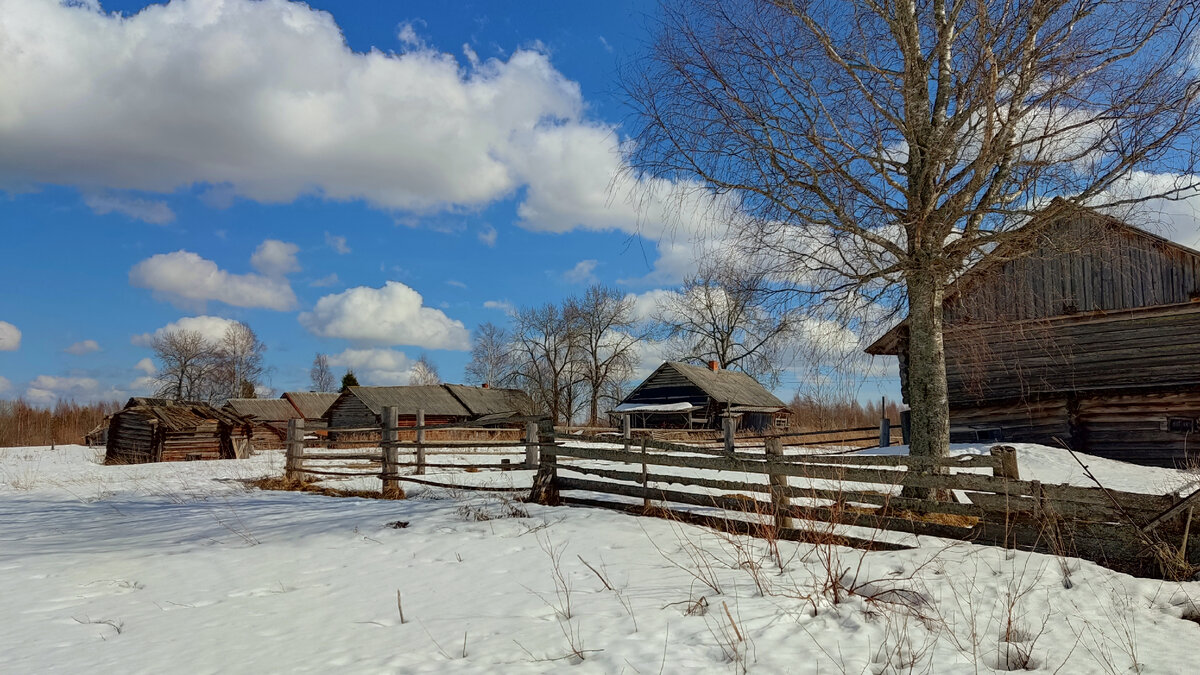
(391, 453)
(531, 448)
(293, 468)
(885, 432)
(780, 501)
(728, 425)
(420, 442)
(645, 473)
(1008, 462)
(626, 432)
(545, 483)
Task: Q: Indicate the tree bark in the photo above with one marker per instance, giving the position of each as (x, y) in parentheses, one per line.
(928, 396)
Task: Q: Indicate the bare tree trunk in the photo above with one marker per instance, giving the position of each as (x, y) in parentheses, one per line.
(927, 390)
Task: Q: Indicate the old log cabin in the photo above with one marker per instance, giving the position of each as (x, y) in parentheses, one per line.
(270, 416)
(361, 407)
(311, 405)
(161, 430)
(684, 396)
(1092, 338)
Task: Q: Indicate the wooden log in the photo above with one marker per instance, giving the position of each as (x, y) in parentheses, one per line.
(391, 458)
(779, 484)
(545, 483)
(885, 432)
(728, 424)
(420, 442)
(294, 463)
(1007, 466)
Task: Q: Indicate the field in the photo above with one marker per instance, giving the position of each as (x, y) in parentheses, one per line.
(187, 567)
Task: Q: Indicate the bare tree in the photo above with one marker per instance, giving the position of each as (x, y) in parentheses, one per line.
(604, 325)
(872, 150)
(186, 362)
(491, 356)
(321, 375)
(240, 367)
(424, 372)
(721, 317)
(547, 360)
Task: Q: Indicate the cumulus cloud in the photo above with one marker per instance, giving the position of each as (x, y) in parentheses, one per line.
(378, 367)
(275, 258)
(153, 211)
(146, 366)
(392, 315)
(46, 389)
(337, 243)
(211, 327)
(487, 236)
(188, 280)
(646, 304)
(83, 347)
(582, 273)
(10, 337)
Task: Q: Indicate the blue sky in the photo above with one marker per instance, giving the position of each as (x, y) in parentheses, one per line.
(368, 152)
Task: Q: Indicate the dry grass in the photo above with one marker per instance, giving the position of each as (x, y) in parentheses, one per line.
(282, 484)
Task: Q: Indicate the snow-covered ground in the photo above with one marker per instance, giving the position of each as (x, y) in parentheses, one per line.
(184, 568)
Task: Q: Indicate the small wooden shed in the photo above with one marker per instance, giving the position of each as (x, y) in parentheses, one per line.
(270, 416)
(161, 430)
(685, 396)
(1091, 338)
(360, 407)
(311, 405)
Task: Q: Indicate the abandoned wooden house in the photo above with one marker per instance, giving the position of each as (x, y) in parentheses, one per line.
(161, 430)
(311, 405)
(684, 396)
(1092, 338)
(270, 416)
(360, 407)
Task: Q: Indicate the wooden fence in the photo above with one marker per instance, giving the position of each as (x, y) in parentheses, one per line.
(852, 499)
(309, 458)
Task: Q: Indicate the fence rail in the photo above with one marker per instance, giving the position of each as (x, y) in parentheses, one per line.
(979, 498)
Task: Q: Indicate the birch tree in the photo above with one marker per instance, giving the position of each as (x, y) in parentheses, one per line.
(873, 149)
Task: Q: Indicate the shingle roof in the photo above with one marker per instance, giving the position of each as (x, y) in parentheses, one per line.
(311, 404)
(264, 409)
(183, 415)
(433, 399)
(480, 401)
(727, 386)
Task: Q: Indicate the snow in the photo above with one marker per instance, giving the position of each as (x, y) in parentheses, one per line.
(184, 567)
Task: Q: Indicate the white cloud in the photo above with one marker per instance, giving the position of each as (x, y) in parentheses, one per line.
(337, 243)
(646, 304)
(502, 305)
(323, 282)
(211, 327)
(146, 366)
(487, 236)
(46, 389)
(10, 337)
(582, 273)
(153, 211)
(377, 367)
(455, 283)
(5, 385)
(144, 384)
(186, 279)
(275, 258)
(84, 347)
(392, 315)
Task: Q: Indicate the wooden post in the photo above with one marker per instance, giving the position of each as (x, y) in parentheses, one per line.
(885, 432)
(728, 424)
(545, 483)
(391, 452)
(645, 472)
(1008, 462)
(293, 468)
(779, 487)
(626, 432)
(531, 448)
(420, 442)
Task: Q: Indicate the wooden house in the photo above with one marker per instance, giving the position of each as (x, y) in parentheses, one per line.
(270, 416)
(311, 405)
(1092, 338)
(684, 396)
(160, 430)
(360, 407)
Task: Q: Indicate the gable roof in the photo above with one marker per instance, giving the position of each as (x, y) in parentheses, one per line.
(181, 415)
(310, 404)
(433, 399)
(1067, 216)
(481, 401)
(265, 409)
(730, 387)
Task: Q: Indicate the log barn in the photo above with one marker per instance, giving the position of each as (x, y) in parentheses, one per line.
(312, 406)
(270, 416)
(685, 396)
(1089, 333)
(161, 430)
(359, 407)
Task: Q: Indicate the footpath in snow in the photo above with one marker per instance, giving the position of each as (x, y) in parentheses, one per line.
(184, 567)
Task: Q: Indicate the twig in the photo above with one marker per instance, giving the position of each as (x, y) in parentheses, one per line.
(736, 632)
(400, 607)
(594, 571)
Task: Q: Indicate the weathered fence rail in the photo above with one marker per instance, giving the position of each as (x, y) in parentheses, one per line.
(387, 457)
(978, 498)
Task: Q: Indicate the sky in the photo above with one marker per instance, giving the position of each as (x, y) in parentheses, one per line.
(369, 180)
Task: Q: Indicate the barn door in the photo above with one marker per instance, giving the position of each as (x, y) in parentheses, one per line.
(241, 448)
